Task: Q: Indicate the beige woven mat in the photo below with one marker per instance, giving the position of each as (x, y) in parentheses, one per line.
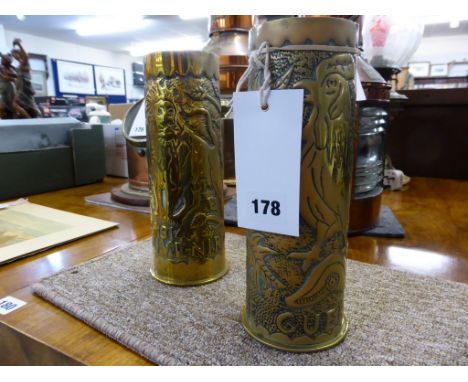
(395, 318)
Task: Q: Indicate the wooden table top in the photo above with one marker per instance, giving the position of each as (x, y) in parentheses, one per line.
(433, 212)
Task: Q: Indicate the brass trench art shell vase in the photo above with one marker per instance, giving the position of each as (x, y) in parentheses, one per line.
(295, 285)
(183, 115)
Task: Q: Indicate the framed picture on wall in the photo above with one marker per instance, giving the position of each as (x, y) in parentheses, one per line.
(75, 78)
(458, 69)
(439, 70)
(109, 81)
(419, 69)
(39, 62)
(39, 82)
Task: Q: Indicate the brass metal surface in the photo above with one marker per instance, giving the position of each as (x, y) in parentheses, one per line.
(183, 115)
(295, 286)
(231, 45)
(301, 345)
(305, 31)
(189, 63)
(222, 23)
(231, 69)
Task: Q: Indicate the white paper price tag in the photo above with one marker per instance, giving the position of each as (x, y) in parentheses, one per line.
(8, 304)
(268, 158)
(138, 128)
(360, 95)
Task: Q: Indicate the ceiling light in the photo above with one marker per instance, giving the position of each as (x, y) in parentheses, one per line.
(454, 24)
(100, 25)
(173, 44)
(192, 17)
(20, 17)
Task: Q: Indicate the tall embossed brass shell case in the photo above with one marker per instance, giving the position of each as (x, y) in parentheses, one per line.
(295, 285)
(183, 118)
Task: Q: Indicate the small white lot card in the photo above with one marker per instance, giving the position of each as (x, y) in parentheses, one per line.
(268, 158)
(138, 128)
(8, 304)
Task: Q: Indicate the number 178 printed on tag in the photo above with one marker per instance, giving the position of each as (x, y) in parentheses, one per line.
(268, 154)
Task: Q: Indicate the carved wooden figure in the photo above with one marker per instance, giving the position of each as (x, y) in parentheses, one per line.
(9, 107)
(25, 91)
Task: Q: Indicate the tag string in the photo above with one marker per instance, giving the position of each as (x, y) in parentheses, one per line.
(254, 64)
(264, 49)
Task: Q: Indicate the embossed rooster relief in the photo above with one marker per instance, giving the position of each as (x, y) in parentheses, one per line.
(186, 154)
(305, 275)
(16, 90)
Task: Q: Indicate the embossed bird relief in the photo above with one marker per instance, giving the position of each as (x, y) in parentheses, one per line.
(318, 253)
(325, 171)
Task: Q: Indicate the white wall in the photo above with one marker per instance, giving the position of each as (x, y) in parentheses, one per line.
(67, 51)
(442, 50)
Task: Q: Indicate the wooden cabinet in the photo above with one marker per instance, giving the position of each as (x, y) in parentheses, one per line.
(429, 137)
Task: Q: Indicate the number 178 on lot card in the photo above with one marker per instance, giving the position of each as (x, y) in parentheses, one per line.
(268, 148)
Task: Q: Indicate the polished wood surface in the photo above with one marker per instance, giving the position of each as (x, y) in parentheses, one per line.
(434, 213)
(132, 226)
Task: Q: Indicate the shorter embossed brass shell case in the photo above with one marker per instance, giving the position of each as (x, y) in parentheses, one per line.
(295, 285)
(183, 118)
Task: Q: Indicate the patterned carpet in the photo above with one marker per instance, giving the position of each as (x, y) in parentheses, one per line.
(395, 318)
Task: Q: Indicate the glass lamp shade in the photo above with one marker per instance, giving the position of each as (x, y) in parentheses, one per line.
(390, 41)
